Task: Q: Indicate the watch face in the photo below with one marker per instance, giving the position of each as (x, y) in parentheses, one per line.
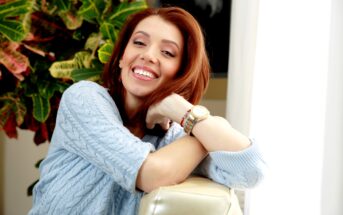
(199, 111)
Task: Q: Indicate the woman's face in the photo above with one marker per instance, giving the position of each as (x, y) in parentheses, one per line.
(151, 58)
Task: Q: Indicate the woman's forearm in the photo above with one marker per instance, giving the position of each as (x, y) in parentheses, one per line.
(215, 133)
(170, 164)
(174, 162)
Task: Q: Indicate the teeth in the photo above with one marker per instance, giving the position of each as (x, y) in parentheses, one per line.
(144, 73)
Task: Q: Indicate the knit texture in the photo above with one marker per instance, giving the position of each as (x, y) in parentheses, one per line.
(93, 160)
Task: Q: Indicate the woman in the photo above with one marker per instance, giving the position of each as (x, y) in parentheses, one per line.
(141, 129)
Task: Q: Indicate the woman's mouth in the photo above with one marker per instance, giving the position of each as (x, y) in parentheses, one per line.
(143, 73)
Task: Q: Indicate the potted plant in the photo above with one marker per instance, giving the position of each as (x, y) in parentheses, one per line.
(46, 45)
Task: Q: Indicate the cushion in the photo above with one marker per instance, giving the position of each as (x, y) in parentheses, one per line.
(196, 195)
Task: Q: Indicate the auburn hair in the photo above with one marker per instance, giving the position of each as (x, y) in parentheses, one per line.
(191, 80)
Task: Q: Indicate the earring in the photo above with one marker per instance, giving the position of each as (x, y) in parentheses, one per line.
(120, 64)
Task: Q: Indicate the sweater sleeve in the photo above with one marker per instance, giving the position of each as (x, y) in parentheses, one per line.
(239, 170)
(88, 124)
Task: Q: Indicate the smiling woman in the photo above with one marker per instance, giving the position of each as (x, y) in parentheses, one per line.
(113, 143)
(151, 58)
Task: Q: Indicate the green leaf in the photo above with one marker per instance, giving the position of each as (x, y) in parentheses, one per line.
(63, 5)
(92, 9)
(41, 108)
(18, 25)
(12, 29)
(61, 86)
(63, 69)
(93, 41)
(46, 89)
(5, 112)
(12, 104)
(124, 9)
(19, 111)
(108, 31)
(83, 59)
(15, 8)
(26, 21)
(105, 52)
(91, 74)
(71, 20)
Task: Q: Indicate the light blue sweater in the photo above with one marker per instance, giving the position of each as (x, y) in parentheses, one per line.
(93, 160)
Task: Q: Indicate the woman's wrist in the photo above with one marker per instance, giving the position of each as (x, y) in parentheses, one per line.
(196, 114)
(174, 107)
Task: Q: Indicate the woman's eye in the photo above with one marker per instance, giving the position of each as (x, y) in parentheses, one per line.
(139, 43)
(167, 53)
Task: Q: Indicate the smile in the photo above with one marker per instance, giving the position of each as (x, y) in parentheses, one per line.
(143, 73)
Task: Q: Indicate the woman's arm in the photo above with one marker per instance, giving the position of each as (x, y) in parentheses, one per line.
(170, 164)
(215, 133)
(88, 124)
(176, 161)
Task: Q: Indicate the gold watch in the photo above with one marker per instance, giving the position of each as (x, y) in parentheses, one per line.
(195, 115)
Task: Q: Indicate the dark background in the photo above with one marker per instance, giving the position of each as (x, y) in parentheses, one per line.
(215, 22)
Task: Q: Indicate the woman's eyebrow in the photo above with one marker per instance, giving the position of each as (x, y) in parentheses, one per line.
(164, 40)
(143, 32)
(172, 42)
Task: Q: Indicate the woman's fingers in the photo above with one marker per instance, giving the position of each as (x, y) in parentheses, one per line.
(165, 124)
(150, 118)
(153, 118)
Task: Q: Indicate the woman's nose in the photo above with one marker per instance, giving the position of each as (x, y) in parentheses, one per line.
(150, 55)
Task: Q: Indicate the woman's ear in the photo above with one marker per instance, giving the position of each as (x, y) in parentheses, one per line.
(120, 63)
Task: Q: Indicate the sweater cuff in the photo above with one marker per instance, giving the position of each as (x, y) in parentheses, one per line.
(248, 158)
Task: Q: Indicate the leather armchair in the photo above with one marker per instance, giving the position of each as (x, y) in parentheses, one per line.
(195, 196)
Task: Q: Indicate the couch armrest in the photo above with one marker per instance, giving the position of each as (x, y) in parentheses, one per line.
(194, 196)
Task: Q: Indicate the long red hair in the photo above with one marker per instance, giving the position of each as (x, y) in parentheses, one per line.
(191, 80)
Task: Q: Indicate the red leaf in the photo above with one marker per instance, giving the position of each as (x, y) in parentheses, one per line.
(14, 61)
(41, 135)
(10, 126)
(4, 1)
(30, 123)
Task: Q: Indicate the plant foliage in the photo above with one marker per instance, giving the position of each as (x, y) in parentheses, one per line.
(45, 46)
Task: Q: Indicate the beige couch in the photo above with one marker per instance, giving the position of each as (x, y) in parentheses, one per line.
(195, 196)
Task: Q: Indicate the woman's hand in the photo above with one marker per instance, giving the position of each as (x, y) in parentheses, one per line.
(171, 108)
(154, 117)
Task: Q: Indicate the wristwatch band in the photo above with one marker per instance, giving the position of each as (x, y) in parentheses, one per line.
(196, 114)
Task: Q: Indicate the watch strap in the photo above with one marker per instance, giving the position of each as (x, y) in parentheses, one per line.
(189, 120)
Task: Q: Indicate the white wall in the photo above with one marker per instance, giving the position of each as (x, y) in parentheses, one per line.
(296, 104)
(18, 157)
(244, 14)
(332, 186)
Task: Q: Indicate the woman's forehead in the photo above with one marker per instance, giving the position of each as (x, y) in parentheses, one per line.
(156, 27)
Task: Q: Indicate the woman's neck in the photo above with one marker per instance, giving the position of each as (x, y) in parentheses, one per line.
(132, 105)
(136, 130)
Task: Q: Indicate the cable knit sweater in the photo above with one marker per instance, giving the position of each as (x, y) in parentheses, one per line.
(93, 160)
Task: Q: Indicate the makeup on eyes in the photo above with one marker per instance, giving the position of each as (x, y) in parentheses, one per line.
(163, 41)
